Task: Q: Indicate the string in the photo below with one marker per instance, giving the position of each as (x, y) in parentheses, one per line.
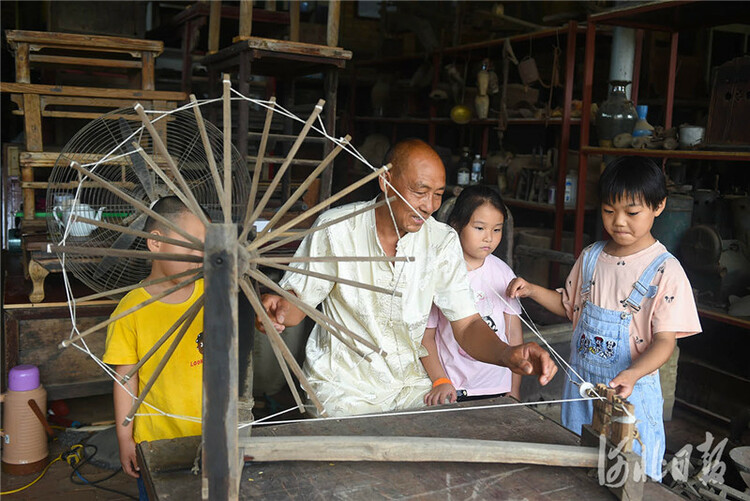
(552, 350)
(430, 410)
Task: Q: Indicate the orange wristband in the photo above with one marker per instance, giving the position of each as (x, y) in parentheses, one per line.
(441, 380)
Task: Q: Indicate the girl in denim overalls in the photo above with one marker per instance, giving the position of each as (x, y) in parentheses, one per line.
(629, 300)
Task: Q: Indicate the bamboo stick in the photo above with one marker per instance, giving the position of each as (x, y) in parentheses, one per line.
(106, 251)
(160, 367)
(292, 151)
(332, 259)
(162, 149)
(303, 234)
(333, 278)
(418, 449)
(314, 210)
(189, 316)
(137, 233)
(301, 189)
(147, 283)
(227, 106)
(256, 173)
(163, 175)
(134, 202)
(271, 333)
(129, 311)
(327, 323)
(248, 290)
(209, 154)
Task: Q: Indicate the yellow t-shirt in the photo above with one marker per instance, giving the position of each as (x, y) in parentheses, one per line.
(178, 389)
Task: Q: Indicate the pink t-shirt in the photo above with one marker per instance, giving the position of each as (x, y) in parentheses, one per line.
(466, 373)
(671, 310)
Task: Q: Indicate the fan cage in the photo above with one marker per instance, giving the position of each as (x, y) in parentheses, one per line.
(106, 147)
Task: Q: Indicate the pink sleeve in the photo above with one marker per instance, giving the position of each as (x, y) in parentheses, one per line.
(432, 320)
(675, 309)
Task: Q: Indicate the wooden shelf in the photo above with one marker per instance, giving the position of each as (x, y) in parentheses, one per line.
(723, 317)
(539, 206)
(736, 156)
(448, 121)
(674, 16)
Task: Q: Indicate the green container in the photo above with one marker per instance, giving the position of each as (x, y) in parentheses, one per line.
(673, 222)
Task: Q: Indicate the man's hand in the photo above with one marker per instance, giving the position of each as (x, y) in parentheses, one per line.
(624, 382)
(440, 394)
(528, 359)
(128, 457)
(277, 308)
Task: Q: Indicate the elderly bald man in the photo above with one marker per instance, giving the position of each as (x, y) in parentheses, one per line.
(344, 382)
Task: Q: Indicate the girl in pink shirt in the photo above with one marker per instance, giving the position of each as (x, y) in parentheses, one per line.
(478, 217)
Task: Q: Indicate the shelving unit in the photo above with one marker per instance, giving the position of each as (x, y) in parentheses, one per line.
(432, 121)
(670, 17)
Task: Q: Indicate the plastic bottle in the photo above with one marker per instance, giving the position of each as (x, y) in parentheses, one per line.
(464, 168)
(642, 127)
(571, 187)
(476, 170)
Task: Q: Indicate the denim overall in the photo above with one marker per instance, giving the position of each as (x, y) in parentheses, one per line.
(600, 349)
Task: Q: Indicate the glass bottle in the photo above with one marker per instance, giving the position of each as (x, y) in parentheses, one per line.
(615, 115)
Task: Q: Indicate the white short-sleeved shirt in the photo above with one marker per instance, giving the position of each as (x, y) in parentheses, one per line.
(465, 372)
(342, 380)
(671, 310)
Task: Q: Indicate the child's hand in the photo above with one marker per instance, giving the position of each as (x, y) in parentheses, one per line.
(623, 383)
(518, 287)
(128, 458)
(440, 394)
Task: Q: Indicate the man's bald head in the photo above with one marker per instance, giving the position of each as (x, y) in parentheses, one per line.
(417, 174)
(403, 153)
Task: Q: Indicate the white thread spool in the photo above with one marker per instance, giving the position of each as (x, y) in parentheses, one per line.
(585, 389)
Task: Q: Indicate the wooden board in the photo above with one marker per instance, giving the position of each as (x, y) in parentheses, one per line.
(83, 42)
(363, 480)
(32, 336)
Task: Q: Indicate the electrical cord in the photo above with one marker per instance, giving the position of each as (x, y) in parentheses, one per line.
(58, 458)
(84, 458)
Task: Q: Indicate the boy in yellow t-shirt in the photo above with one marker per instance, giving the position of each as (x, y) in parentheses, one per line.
(178, 389)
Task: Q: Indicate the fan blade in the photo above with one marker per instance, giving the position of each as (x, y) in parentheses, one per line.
(124, 241)
(139, 166)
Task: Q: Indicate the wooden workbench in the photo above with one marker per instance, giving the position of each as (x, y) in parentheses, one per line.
(373, 480)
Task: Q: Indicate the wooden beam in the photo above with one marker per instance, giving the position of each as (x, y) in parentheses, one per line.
(221, 465)
(294, 21)
(416, 449)
(214, 26)
(246, 18)
(332, 28)
(60, 90)
(72, 40)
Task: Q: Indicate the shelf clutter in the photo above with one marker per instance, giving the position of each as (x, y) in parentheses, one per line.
(714, 252)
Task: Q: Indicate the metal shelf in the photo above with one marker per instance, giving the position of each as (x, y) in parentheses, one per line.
(736, 156)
